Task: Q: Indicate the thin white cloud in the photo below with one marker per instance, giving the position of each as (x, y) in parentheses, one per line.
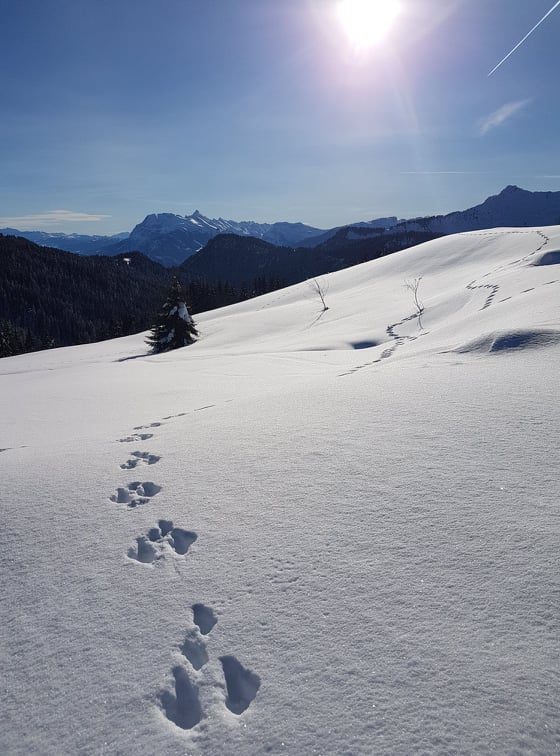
(442, 173)
(49, 218)
(500, 116)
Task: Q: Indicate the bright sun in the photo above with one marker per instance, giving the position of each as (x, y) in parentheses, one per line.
(366, 22)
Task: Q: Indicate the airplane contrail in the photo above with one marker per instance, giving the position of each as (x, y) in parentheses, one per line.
(525, 38)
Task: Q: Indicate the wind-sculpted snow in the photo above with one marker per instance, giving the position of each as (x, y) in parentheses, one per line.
(512, 340)
(231, 548)
(549, 258)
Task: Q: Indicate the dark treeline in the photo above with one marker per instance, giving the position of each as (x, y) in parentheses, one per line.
(50, 298)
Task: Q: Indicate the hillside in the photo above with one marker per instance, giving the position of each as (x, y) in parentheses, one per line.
(54, 298)
(240, 260)
(310, 532)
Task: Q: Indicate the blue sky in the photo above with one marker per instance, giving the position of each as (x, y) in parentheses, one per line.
(261, 110)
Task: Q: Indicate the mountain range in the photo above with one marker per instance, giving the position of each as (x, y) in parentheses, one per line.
(171, 239)
(79, 243)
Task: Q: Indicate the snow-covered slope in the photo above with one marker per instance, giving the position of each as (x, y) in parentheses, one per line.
(310, 532)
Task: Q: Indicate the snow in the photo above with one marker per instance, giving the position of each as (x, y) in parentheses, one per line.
(309, 532)
(182, 312)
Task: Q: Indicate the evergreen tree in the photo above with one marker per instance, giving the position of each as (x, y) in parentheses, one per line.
(174, 327)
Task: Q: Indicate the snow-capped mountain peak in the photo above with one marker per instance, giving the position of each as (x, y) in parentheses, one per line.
(171, 238)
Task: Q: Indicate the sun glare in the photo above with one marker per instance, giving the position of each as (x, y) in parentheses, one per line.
(367, 22)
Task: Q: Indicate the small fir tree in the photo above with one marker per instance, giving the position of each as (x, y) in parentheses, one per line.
(174, 327)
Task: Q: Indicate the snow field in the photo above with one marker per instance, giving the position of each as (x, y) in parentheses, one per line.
(285, 540)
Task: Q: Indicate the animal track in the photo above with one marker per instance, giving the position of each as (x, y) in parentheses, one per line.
(180, 702)
(151, 547)
(136, 493)
(183, 706)
(144, 551)
(136, 437)
(398, 340)
(182, 540)
(242, 684)
(204, 618)
(194, 650)
(493, 289)
(139, 457)
(285, 573)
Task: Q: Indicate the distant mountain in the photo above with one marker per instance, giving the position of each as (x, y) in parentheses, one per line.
(290, 234)
(377, 225)
(513, 207)
(82, 244)
(170, 239)
(240, 260)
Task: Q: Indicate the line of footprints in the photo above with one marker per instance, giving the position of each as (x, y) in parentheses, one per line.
(181, 702)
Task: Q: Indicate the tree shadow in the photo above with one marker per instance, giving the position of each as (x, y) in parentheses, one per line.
(134, 357)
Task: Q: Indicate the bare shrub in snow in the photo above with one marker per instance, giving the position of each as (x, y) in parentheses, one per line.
(413, 286)
(320, 289)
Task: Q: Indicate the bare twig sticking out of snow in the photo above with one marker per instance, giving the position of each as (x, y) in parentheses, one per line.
(320, 289)
(413, 286)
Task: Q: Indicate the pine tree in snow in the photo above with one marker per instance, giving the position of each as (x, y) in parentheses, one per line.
(174, 327)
